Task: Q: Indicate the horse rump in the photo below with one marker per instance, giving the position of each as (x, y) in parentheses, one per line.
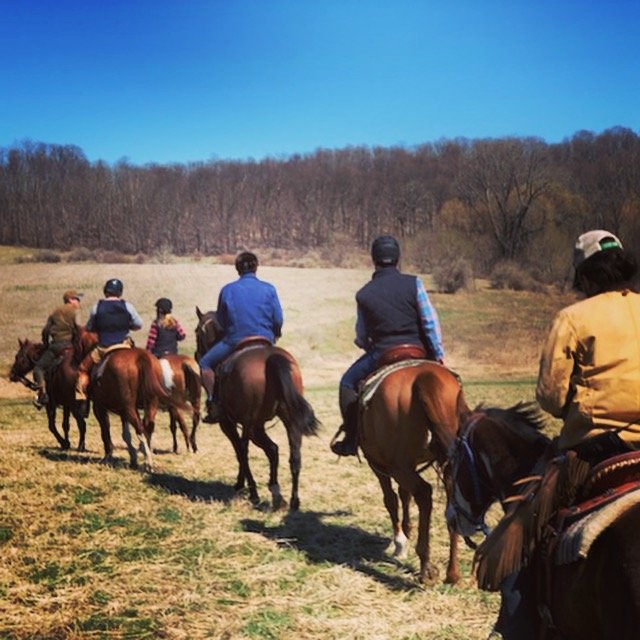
(293, 408)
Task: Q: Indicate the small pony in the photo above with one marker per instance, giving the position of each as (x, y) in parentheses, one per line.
(261, 382)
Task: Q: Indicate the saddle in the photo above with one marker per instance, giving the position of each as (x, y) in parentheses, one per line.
(250, 342)
(401, 352)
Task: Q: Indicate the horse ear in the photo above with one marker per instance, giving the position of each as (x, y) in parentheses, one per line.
(199, 313)
(20, 343)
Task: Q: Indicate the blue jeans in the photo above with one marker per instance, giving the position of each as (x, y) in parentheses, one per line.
(359, 370)
(216, 355)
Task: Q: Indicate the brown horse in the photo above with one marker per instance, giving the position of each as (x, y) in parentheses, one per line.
(409, 423)
(128, 378)
(181, 379)
(262, 382)
(597, 597)
(60, 384)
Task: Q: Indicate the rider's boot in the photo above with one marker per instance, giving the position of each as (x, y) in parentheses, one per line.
(213, 409)
(349, 409)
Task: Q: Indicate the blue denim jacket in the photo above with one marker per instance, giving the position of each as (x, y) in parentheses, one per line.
(249, 307)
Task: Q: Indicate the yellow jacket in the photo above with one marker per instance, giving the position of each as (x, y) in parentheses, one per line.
(590, 368)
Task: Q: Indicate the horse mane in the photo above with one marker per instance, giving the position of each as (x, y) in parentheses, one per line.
(525, 419)
(510, 545)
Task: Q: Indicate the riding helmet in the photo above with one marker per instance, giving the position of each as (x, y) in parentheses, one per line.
(164, 305)
(385, 251)
(246, 262)
(113, 287)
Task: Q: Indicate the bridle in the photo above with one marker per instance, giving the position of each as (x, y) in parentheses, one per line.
(201, 333)
(463, 452)
(17, 377)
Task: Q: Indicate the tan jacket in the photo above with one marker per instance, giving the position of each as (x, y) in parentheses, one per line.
(590, 368)
(61, 325)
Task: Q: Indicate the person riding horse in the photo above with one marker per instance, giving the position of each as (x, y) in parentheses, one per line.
(589, 377)
(247, 307)
(165, 331)
(392, 309)
(111, 318)
(57, 335)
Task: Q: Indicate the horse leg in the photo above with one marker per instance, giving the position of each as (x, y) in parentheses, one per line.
(183, 428)
(78, 415)
(453, 565)
(295, 465)
(261, 439)
(102, 416)
(422, 493)
(51, 421)
(390, 498)
(65, 425)
(195, 421)
(130, 416)
(241, 447)
(172, 427)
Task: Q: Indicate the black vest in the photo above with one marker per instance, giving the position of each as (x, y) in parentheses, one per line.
(166, 342)
(112, 322)
(389, 309)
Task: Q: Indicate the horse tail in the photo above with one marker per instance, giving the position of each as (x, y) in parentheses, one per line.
(192, 382)
(151, 381)
(297, 413)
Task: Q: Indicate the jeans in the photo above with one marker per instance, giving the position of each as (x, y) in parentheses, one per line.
(216, 355)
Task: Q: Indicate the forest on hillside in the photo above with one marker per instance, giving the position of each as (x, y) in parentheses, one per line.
(485, 202)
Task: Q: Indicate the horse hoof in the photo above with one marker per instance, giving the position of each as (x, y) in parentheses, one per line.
(429, 575)
(279, 504)
(295, 505)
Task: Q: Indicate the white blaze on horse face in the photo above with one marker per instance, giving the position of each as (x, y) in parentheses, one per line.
(167, 374)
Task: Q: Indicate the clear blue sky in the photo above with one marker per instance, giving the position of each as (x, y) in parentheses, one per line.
(192, 80)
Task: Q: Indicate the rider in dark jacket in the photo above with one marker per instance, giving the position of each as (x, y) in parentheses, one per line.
(392, 309)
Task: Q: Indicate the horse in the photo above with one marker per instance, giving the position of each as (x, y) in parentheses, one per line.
(60, 384)
(181, 379)
(263, 381)
(128, 378)
(408, 424)
(501, 452)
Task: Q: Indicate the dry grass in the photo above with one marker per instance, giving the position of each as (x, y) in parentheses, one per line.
(94, 551)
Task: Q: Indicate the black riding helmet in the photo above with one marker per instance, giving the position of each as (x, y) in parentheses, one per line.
(164, 305)
(385, 251)
(246, 262)
(113, 287)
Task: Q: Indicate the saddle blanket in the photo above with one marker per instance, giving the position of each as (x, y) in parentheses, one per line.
(372, 383)
(575, 542)
(167, 374)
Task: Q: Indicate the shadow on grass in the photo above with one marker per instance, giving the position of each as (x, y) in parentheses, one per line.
(195, 490)
(322, 541)
(82, 457)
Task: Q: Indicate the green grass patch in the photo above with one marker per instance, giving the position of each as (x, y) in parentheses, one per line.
(268, 624)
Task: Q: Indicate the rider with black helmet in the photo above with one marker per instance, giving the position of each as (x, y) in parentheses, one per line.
(392, 309)
(111, 318)
(165, 331)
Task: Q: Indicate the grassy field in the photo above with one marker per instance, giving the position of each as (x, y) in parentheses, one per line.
(95, 551)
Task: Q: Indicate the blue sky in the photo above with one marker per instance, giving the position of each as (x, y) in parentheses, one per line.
(192, 80)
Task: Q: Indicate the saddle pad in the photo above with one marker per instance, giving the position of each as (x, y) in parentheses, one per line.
(167, 374)
(372, 383)
(575, 542)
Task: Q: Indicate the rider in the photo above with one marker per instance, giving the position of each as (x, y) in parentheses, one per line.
(57, 335)
(111, 318)
(590, 378)
(392, 309)
(590, 365)
(165, 331)
(247, 307)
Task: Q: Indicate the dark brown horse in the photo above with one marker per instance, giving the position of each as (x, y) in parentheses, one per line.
(60, 384)
(181, 379)
(597, 597)
(409, 423)
(262, 382)
(128, 379)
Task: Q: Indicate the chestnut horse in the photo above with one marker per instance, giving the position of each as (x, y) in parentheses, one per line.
(60, 384)
(409, 423)
(128, 378)
(262, 382)
(597, 597)
(181, 379)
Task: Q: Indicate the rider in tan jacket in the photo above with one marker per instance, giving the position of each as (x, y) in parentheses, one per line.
(590, 365)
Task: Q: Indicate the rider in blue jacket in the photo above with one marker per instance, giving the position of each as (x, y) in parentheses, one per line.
(247, 307)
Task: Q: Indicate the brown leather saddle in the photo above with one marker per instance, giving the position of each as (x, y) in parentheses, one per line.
(399, 353)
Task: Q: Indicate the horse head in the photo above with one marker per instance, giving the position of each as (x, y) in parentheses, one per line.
(25, 359)
(494, 449)
(208, 331)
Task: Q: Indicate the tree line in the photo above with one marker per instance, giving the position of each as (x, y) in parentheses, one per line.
(487, 201)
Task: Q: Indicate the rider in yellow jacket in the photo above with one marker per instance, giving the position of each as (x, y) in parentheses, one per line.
(590, 365)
